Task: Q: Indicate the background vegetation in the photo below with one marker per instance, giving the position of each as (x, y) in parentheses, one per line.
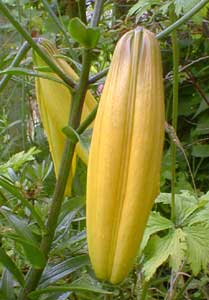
(174, 255)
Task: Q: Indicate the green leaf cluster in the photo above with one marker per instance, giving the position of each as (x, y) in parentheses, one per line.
(183, 242)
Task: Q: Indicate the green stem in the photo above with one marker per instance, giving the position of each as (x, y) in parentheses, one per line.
(98, 76)
(74, 120)
(182, 20)
(174, 111)
(35, 46)
(60, 27)
(87, 121)
(19, 56)
(23, 132)
(145, 288)
(82, 10)
(97, 13)
(23, 114)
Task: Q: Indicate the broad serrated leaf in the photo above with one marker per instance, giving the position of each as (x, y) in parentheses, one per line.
(155, 224)
(197, 238)
(183, 209)
(156, 253)
(200, 214)
(56, 272)
(141, 7)
(178, 249)
(164, 198)
(159, 250)
(179, 5)
(184, 5)
(11, 267)
(185, 205)
(205, 197)
(164, 8)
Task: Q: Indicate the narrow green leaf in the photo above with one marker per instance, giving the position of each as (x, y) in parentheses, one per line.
(26, 238)
(32, 252)
(58, 296)
(59, 271)
(70, 287)
(27, 72)
(19, 225)
(11, 267)
(68, 213)
(72, 204)
(7, 287)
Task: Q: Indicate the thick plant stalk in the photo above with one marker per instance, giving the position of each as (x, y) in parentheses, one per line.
(54, 101)
(125, 155)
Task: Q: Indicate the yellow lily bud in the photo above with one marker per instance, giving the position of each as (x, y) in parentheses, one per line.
(125, 155)
(54, 102)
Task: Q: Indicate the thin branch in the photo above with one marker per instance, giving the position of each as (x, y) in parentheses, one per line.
(180, 293)
(174, 110)
(60, 27)
(173, 136)
(183, 68)
(97, 13)
(19, 56)
(98, 76)
(197, 87)
(87, 121)
(169, 75)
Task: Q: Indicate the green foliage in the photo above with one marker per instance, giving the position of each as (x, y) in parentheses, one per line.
(170, 249)
(18, 160)
(10, 268)
(186, 241)
(87, 37)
